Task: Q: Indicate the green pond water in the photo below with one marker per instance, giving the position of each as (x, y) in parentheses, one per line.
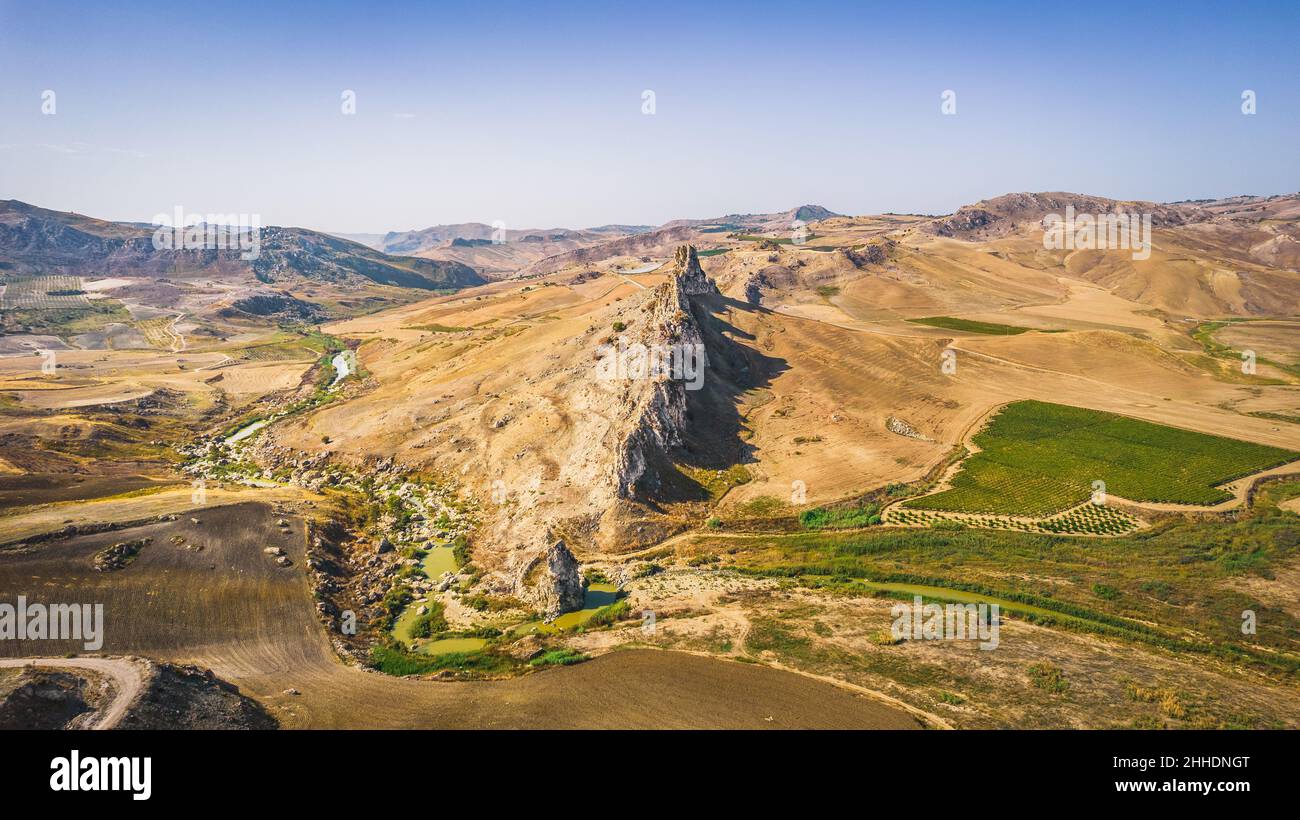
(596, 596)
(406, 621)
(438, 560)
(447, 645)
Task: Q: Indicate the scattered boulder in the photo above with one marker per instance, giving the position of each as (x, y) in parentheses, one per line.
(873, 253)
(119, 555)
(526, 648)
(901, 428)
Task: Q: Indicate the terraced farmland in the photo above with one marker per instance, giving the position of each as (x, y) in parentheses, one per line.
(1085, 519)
(156, 331)
(38, 292)
(1037, 459)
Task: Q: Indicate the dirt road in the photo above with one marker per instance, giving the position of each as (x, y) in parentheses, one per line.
(127, 676)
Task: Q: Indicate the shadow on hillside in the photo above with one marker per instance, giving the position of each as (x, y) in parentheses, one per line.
(714, 436)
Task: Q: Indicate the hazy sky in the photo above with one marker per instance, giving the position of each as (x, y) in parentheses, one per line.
(531, 113)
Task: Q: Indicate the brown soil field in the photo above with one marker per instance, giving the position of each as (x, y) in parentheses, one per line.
(230, 608)
(26, 490)
(1279, 341)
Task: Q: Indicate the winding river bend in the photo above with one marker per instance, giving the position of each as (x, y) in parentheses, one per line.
(342, 367)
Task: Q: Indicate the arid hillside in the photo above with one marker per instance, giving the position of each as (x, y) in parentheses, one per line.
(55, 259)
(734, 425)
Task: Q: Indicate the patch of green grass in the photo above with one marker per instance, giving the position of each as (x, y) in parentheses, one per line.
(434, 327)
(770, 635)
(558, 657)
(394, 661)
(717, 482)
(431, 622)
(1049, 678)
(608, 614)
(971, 326)
(763, 506)
(1105, 591)
(460, 550)
(827, 291)
(1038, 458)
(840, 518)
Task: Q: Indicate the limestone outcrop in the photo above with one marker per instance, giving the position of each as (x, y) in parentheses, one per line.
(551, 581)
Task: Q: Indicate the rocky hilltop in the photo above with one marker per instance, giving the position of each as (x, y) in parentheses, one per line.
(1001, 215)
(629, 421)
(658, 406)
(652, 242)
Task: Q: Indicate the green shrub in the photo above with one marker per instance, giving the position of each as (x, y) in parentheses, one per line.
(607, 615)
(1047, 677)
(460, 551)
(558, 657)
(825, 518)
(431, 622)
(1105, 591)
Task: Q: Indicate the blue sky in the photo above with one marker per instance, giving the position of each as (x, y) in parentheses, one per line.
(531, 112)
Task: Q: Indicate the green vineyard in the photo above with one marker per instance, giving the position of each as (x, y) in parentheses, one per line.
(1037, 459)
(43, 292)
(1086, 519)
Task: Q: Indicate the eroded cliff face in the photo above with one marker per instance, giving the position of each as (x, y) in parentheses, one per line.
(628, 404)
(658, 403)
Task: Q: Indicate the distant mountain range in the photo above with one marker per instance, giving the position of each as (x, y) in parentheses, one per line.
(35, 241)
(500, 254)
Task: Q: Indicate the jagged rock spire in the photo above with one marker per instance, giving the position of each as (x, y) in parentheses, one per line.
(690, 276)
(556, 586)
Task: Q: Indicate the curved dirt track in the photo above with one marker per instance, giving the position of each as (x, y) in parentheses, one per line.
(127, 677)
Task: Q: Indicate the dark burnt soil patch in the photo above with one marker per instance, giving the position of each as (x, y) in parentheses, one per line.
(190, 697)
(46, 699)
